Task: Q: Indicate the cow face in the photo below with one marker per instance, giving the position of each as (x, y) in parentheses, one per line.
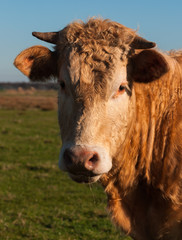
(96, 101)
(94, 104)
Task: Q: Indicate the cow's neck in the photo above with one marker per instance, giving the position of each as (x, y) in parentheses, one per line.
(148, 149)
(143, 162)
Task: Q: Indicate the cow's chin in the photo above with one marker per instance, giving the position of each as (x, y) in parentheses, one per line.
(84, 179)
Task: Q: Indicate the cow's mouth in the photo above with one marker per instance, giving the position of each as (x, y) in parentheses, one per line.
(83, 178)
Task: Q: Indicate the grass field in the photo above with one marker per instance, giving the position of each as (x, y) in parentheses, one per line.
(37, 200)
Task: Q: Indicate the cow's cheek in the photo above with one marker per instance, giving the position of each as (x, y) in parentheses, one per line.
(117, 117)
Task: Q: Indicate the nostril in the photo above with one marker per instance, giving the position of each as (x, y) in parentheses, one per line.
(94, 159)
(91, 163)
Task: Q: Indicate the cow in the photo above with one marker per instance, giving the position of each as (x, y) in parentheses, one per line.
(120, 117)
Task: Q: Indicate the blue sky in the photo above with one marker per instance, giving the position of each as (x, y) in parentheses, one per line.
(157, 20)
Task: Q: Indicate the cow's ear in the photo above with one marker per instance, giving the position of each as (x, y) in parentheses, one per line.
(37, 62)
(148, 65)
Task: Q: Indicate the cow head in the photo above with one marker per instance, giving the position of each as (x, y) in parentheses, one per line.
(95, 64)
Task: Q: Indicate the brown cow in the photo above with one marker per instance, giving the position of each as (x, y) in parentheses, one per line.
(120, 116)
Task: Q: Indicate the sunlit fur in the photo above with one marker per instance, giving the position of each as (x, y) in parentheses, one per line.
(145, 195)
(142, 129)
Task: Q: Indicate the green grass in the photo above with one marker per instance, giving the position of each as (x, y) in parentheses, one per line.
(37, 200)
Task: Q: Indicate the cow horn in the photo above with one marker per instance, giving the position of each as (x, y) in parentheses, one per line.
(141, 43)
(51, 37)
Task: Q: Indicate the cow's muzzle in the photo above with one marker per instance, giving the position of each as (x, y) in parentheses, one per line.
(84, 164)
(78, 160)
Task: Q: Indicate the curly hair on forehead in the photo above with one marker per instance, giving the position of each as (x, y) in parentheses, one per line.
(96, 32)
(96, 42)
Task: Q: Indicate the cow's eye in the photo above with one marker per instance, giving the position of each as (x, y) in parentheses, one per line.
(121, 89)
(62, 85)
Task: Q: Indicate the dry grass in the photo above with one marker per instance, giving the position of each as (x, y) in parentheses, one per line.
(28, 99)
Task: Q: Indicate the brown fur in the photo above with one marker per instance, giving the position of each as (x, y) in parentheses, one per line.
(145, 195)
(144, 186)
(38, 63)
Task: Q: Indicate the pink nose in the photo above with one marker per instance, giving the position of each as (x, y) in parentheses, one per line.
(79, 160)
